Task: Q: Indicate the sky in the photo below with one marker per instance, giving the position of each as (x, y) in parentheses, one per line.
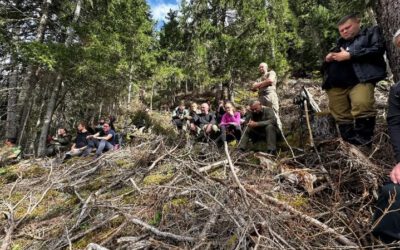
(160, 8)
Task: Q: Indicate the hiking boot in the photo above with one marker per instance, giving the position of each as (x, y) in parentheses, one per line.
(364, 129)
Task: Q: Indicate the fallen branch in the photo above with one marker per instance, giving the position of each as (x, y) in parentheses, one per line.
(281, 205)
(212, 166)
(160, 233)
(244, 192)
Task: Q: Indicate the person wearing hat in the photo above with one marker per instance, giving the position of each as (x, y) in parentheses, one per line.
(386, 221)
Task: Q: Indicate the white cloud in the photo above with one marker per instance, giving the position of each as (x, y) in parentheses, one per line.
(160, 11)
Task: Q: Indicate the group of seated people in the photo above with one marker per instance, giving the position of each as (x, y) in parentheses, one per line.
(228, 123)
(101, 139)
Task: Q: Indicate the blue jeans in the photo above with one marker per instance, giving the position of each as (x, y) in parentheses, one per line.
(101, 146)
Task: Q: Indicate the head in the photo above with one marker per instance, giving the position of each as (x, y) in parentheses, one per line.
(263, 68)
(181, 105)
(396, 39)
(349, 26)
(106, 127)
(220, 102)
(193, 106)
(242, 110)
(61, 131)
(229, 107)
(101, 121)
(204, 108)
(255, 106)
(81, 126)
(11, 142)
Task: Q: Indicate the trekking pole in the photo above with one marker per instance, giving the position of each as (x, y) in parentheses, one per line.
(244, 131)
(308, 123)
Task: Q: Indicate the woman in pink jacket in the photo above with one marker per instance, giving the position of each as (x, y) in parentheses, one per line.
(230, 123)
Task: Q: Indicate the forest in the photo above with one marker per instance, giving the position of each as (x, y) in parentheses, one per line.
(62, 62)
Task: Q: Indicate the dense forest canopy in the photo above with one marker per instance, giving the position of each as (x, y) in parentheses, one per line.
(63, 61)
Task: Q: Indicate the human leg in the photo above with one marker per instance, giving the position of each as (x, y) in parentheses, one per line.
(339, 105)
(101, 147)
(363, 110)
(271, 132)
(340, 108)
(386, 220)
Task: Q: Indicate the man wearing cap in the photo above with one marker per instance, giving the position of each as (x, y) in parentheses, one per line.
(386, 225)
(351, 71)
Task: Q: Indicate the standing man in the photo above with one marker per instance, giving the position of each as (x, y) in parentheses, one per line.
(261, 123)
(352, 69)
(266, 87)
(387, 225)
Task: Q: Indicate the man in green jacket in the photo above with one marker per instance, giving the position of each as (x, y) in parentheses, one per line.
(261, 124)
(10, 152)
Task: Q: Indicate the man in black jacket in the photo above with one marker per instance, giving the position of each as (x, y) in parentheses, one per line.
(386, 224)
(352, 69)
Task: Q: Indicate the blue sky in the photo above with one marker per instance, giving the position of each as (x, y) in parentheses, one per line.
(160, 8)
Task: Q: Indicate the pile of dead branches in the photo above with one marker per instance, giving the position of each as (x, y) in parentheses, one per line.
(192, 196)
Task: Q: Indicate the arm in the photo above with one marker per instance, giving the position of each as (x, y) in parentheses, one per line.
(268, 118)
(236, 118)
(393, 121)
(65, 140)
(375, 47)
(174, 114)
(93, 136)
(213, 120)
(265, 83)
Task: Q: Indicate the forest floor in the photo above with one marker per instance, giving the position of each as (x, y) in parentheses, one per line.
(164, 191)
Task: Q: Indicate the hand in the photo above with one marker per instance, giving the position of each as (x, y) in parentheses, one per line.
(89, 136)
(252, 124)
(395, 174)
(343, 55)
(329, 57)
(255, 86)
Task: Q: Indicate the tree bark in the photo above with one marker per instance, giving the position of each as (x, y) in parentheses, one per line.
(25, 100)
(12, 121)
(388, 17)
(58, 84)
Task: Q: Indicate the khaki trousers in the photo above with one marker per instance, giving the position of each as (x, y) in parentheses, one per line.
(347, 104)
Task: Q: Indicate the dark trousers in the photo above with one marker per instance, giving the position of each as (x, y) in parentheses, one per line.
(386, 218)
(267, 133)
(232, 131)
(178, 122)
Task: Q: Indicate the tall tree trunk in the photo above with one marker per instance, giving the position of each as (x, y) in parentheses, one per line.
(12, 121)
(58, 84)
(48, 116)
(388, 16)
(25, 100)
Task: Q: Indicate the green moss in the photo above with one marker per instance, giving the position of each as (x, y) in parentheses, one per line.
(175, 203)
(123, 163)
(34, 171)
(231, 242)
(296, 201)
(8, 174)
(156, 179)
(156, 219)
